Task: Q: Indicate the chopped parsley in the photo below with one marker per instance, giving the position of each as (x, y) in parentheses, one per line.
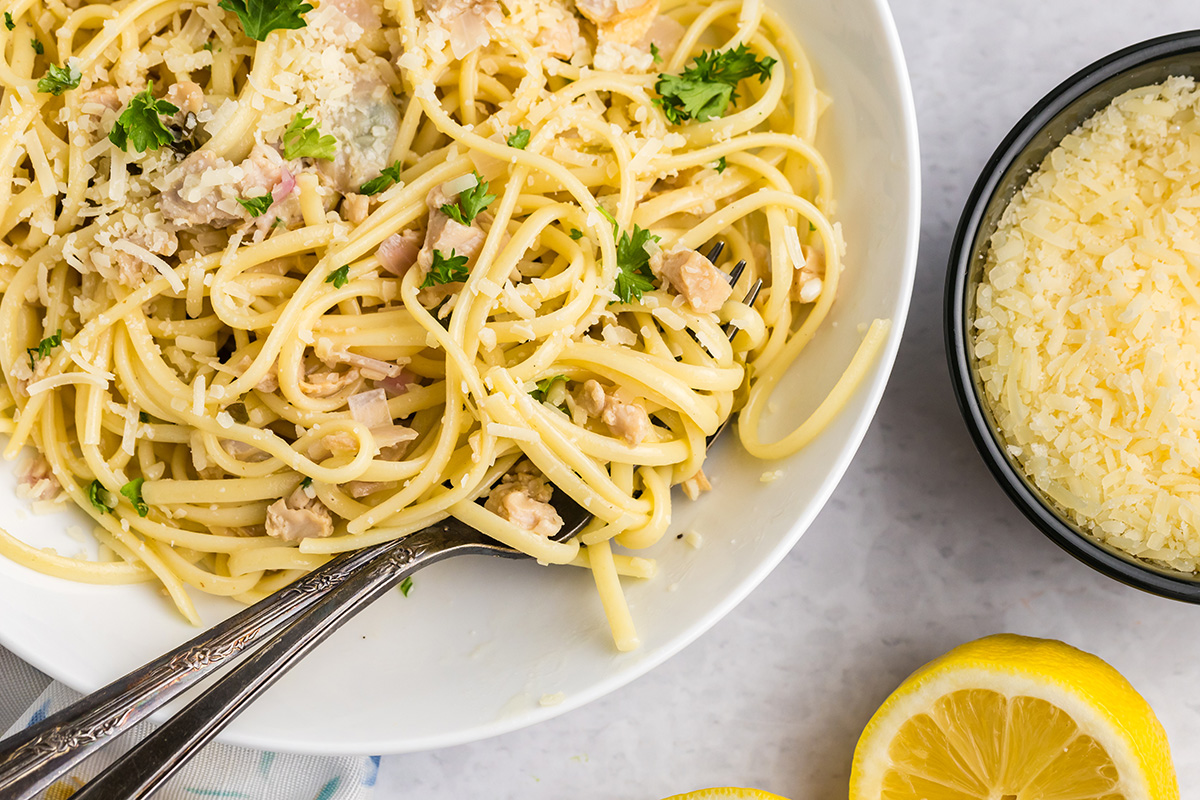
(654, 53)
(59, 79)
(38, 47)
(101, 499)
(446, 270)
(576, 234)
(470, 202)
(260, 17)
(811, 227)
(721, 165)
(43, 349)
(143, 416)
(607, 215)
(387, 176)
(257, 206)
(635, 276)
(8, 21)
(208, 46)
(406, 586)
(302, 139)
(141, 125)
(339, 277)
(133, 491)
(307, 482)
(706, 88)
(520, 139)
(544, 386)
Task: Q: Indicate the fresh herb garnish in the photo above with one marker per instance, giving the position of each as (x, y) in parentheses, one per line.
(141, 124)
(143, 416)
(387, 176)
(635, 276)
(8, 21)
(260, 17)
(102, 499)
(452, 269)
(608, 216)
(706, 88)
(576, 234)
(339, 277)
(133, 491)
(406, 586)
(43, 349)
(520, 139)
(654, 54)
(307, 482)
(208, 46)
(721, 165)
(257, 206)
(470, 202)
(811, 227)
(59, 79)
(303, 139)
(38, 47)
(544, 386)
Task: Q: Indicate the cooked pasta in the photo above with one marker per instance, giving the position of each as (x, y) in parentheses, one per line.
(281, 281)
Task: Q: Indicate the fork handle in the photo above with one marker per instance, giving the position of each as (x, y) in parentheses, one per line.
(151, 762)
(33, 758)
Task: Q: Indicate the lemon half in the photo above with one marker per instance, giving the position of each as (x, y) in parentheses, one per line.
(1013, 718)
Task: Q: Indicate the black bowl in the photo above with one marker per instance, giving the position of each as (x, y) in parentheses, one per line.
(1019, 155)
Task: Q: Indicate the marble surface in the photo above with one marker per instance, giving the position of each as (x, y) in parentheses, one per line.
(918, 550)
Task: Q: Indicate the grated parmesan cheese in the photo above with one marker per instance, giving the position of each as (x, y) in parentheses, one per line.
(1087, 325)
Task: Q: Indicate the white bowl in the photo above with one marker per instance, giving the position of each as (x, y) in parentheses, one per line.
(479, 642)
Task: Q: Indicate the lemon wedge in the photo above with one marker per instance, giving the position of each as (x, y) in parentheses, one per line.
(727, 793)
(1013, 718)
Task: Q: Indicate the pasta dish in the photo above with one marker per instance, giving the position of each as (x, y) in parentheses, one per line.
(282, 279)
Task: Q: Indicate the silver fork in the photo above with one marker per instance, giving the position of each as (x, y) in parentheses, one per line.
(316, 605)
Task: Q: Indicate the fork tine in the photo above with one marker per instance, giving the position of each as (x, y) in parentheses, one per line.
(752, 295)
(736, 272)
(715, 252)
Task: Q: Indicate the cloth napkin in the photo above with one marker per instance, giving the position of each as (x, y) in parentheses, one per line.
(218, 771)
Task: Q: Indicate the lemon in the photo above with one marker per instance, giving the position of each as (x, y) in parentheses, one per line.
(727, 793)
(1013, 718)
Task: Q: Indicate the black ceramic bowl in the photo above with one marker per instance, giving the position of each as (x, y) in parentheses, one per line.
(1020, 154)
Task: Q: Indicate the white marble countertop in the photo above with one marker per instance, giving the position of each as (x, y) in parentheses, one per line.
(776, 694)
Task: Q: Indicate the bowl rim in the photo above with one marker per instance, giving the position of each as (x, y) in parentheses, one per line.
(1103, 558)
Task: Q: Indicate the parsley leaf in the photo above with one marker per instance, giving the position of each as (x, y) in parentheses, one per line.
(133, 491)
(143, 416)
(721, 165)
(59, 79)
(654, 54)
(406, 586)
(339, 277)
(544, 386)
(141, 124)
(43, 349)
(102, 499)
(307, 482)
(470, 202)
(8, 21)
(208, 46)
(38, 47)
(635, 276)
(260, 17)
(706, 88)
(303, 139)
(576, 234)
(608, 216)
(446, 270)
(387, 176)
(520, 139)
(257, 206)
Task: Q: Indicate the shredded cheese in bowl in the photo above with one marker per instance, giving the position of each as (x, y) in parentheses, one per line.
(1086, 331)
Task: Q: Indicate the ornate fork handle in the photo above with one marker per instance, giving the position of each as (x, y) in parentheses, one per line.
(152, 761)
(31, 759)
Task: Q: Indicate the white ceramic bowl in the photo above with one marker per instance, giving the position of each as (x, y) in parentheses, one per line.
(478, 643)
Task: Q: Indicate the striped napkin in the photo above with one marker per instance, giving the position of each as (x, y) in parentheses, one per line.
(219, 771)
